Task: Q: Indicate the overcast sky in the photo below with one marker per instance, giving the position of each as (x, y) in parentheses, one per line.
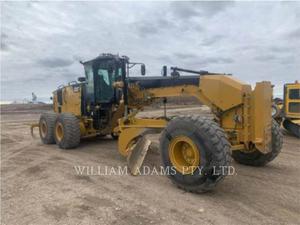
(41, 43)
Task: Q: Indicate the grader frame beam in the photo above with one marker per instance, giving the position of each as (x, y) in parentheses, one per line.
(243, 113)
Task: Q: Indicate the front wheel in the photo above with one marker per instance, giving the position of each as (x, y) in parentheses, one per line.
(196, 152)
(256, 158)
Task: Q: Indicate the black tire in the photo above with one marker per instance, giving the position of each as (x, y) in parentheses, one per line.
(213, 147)
(257, 158)
(68, 124)
(46, 127)
(291, 127)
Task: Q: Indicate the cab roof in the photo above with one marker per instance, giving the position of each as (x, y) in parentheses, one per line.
(105, 56)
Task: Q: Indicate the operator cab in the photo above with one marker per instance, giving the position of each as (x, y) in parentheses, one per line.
(99, 96)
(100, 74)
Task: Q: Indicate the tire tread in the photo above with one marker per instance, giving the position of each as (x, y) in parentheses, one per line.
(221, 155)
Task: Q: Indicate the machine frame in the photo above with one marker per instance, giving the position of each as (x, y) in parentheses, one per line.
(107, 101)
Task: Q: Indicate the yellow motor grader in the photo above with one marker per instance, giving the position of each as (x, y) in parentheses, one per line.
(287, 111)
(107, 100)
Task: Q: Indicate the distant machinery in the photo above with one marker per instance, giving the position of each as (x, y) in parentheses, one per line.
(287, 111)
(34, 98)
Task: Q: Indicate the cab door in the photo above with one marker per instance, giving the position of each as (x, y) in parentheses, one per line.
(106, 91)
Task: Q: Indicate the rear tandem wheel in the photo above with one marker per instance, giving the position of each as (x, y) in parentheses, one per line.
(256, 158)
(46, 127)
(67, 131)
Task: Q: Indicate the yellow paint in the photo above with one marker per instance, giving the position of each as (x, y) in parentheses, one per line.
(59, 131)
(133, 127)
(288, 101)
(71, 100)
(184, 154)
(225, 92)
(260, 118)
(126, 139)
(244, 114)
(296, 121)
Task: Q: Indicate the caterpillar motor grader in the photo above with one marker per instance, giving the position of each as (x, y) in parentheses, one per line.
(287, 111)
(107, 100)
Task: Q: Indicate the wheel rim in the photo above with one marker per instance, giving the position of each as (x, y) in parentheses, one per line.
(184, 154)
(43, 128)
(274, 111)
(59, 132)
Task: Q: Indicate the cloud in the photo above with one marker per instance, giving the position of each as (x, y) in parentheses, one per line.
(184, 56)
(288, 60)
(263, 58)
(165, 59)
(295, 34)
(45, 40)
(280, 49)
(164, 23)
(277, 59)
(194, 60)
(3, 36)
(146, 28)
(55, 62)
(212, 40)
(211, 8)
(4, 45)
(78, 58)
(215, 60)
(203, 61)
(186, 10)
(155, 25)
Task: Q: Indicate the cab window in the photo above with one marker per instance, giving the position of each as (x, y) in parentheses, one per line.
(104, 90)
(90, 80)
(294, 94)
(105, 76)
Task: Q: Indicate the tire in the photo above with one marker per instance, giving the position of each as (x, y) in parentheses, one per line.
(212, 145)
(257, 158)
(276, 112)
(67, 131)
(278, 101)
(46, 127)
(291, 127)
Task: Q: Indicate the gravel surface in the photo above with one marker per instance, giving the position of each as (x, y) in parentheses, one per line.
(40, 185)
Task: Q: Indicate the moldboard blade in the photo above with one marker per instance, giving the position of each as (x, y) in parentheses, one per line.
(137, 155)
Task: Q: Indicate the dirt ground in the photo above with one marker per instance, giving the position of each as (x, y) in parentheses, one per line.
(39, 185)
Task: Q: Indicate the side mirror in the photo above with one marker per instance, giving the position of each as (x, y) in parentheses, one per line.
(81, 79)
(164, 71)
(143, 69)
